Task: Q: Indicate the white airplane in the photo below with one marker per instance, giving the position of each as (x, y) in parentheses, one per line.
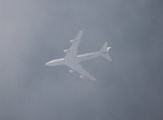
(72, 60)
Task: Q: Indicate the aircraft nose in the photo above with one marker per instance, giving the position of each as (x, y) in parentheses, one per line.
(47, 64)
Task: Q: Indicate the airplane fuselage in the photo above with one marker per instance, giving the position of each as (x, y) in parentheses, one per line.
(79, 58)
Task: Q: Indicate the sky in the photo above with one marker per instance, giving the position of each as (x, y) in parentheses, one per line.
(34, 32)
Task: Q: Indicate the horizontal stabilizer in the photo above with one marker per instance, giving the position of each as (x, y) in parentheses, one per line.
(104, 47)
(106, 56)
(104, 51)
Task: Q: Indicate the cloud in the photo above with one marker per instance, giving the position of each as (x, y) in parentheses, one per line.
(34, 32)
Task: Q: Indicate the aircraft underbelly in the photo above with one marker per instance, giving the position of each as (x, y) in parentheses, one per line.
(87, 56)
(55, 62)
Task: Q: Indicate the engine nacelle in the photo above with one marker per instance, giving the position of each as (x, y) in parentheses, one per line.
(72, 41)
(71, 71)
(66, 51)
(81, 76)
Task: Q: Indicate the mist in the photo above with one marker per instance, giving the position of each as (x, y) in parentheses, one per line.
(34, 32)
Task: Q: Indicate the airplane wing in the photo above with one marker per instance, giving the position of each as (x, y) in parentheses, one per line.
(77, 67)
(74, 47)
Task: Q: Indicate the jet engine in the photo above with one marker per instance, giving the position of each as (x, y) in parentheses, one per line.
(66, 51)
(81, 76)
(71, 71)
(72, 41)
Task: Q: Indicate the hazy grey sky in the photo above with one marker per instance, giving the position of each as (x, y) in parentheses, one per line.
(36, 31)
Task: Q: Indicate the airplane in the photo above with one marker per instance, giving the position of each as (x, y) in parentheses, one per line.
(72, 59)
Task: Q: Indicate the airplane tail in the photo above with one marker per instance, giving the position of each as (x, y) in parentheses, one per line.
(104, 51)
